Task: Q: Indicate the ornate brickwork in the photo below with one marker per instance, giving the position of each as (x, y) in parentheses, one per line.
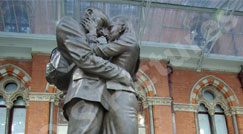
(219, 85)
(10, 73)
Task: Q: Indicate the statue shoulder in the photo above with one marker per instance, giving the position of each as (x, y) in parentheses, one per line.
(69, 25)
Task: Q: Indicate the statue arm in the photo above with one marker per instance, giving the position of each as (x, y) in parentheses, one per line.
(114, 48)
(72, 43)
(89, 62)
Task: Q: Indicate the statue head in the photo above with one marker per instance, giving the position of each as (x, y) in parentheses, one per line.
(95, 21)
(120, 25)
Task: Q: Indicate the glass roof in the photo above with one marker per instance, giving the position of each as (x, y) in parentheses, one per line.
(213, 25)
(216, 4)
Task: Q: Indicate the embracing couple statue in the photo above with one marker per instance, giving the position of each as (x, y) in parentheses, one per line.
(99, 85)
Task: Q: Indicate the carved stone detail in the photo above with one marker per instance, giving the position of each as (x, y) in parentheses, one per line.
(186, 107)
(236, 110)
(43, 96)
(10, 97)
(161, 101)
(211, 104)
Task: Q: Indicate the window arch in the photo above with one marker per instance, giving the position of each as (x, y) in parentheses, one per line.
(211, 112)
(14, 90)
(216, 100)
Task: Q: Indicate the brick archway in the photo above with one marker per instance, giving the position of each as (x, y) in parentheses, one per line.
(145, 84)
(219, 84)
(13, 70)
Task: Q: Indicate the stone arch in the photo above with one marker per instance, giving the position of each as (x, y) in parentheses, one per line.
(50, 87)
(13, 70)
(219, 84)
(144, 86)
(8, 73)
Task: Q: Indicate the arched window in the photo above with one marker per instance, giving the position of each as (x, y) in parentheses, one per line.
(14, 92)
(211, 115)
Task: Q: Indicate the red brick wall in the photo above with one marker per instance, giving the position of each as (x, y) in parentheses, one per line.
(162, 120)
(240, 123)
(37, 118)
(182, 83)
(185, 123)
(24, 65)
(184, 80)
(157, 72)
(38, 83)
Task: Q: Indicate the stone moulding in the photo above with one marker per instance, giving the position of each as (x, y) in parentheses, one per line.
(48, 97)
(186, 107)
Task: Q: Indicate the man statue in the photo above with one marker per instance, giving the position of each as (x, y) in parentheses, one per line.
(87, 98)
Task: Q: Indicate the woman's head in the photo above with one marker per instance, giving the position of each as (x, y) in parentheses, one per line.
(120, 25)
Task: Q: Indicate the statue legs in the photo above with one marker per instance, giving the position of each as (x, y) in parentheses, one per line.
(85, 117)
(124, 119)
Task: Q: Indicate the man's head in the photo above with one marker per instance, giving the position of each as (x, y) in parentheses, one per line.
(94, 21)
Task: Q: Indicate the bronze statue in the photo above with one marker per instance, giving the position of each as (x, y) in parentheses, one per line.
(124, 51)
(87, 100)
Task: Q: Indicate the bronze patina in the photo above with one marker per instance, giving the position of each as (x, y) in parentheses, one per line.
(100, 92)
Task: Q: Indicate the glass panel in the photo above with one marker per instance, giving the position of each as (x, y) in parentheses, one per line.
(204, 124)
(202, 108)
(19, 102)
(221, 126)
(2, 120)
(2, 102)
(169, 25)
(208, 95)
(11, 87)
(18, 123)
(218, 109)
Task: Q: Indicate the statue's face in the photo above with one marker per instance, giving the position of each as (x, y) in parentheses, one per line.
(102, 28)
(115, 31)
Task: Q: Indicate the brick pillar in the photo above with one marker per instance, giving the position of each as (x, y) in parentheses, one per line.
(37, 115)
(37, 118)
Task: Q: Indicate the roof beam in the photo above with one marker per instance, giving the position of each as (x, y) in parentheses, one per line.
(165, 5)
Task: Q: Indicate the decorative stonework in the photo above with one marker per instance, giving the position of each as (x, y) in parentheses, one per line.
(219, 85)
(221, 93)
(12, 74)
(144, 88)
(186, 107)
(144, 83)
(159, 101)
(236, 110)
(12, 70)
(42, 96)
